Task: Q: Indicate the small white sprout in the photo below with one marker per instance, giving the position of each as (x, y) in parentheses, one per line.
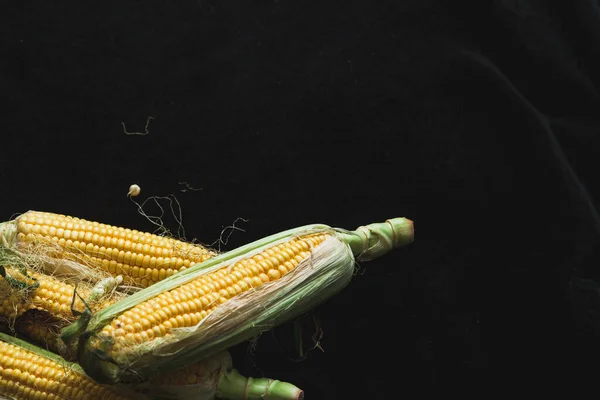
(134, 190)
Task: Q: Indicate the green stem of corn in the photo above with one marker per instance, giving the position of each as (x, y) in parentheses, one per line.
(234, 386)
(374, 240)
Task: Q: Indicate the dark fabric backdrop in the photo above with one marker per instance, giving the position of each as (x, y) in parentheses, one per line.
(479, 120)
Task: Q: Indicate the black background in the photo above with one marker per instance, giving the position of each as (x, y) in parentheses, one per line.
(478, 120)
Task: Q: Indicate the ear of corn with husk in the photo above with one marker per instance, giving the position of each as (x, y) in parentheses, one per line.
(28, 298)
(227, 299)
(23, 289)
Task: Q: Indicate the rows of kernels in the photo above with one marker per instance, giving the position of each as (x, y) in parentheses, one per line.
(11, 305)
(56, 297)
(140, 257)
(26, 375)
(51, 295)
(192, 302)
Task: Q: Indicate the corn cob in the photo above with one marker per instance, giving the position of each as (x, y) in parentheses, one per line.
(28, 372)
(229, 298)
(36, 291)
(55, 302)
(141, 258)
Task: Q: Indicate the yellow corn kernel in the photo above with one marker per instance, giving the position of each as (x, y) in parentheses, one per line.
(142, 258)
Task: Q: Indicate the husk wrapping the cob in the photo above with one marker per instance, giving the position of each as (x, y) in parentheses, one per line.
(153, 330)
